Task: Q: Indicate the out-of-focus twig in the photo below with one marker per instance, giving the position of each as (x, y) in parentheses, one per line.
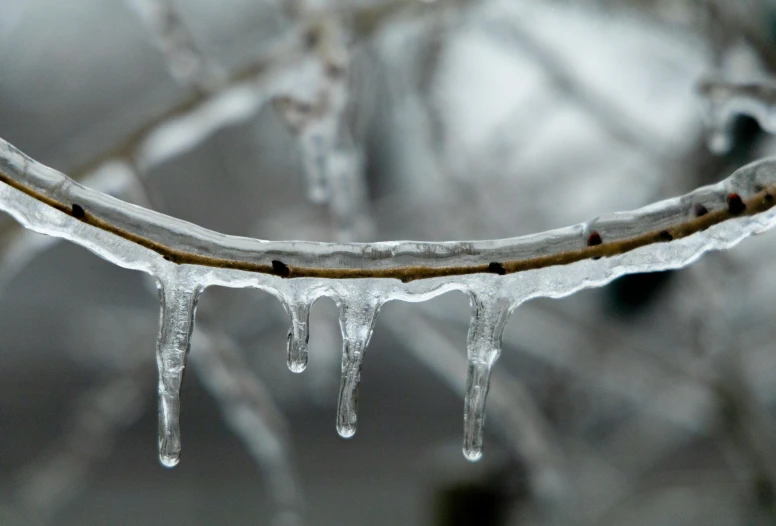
(528, 434)
(59, 474)
(251, 413)
(185, 60)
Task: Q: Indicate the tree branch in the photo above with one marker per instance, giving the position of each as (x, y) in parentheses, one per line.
(179, 242)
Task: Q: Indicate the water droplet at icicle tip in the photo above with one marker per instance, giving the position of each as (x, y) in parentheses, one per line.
(167, 458)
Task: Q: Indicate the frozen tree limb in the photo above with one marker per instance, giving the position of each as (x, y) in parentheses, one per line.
(723, 214)
(498, 274)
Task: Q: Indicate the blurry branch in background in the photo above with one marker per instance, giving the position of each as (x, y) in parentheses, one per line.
(311, 55)
(611, 119)
(747, 429)
(51, 481)
(185, 60)
(516, 415)
(251, 413)
(62, 473)
(732, 20)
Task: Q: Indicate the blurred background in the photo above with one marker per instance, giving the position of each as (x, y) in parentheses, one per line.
(649, 402)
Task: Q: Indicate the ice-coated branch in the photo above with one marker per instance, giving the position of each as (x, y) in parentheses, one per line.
(157, 240)
(499, 274)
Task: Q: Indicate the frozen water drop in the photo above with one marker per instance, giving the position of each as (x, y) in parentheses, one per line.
(484, 347)
(167, 456)
(298, 336)
(356, 322)
(472, 455)
(178, 305)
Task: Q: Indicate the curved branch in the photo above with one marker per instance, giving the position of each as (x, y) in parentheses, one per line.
(499, 275)
(749, 192)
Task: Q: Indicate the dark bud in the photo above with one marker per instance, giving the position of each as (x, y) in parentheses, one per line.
(497, 268)
(280, 268)
(594, 239)
(699, 210)
(665, 235)
(78, 212)
(736, 205)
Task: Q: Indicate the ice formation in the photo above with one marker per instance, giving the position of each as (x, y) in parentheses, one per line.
(305, 73)
(727, 100)
(498, 275)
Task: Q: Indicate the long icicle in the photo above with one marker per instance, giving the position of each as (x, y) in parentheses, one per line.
(178, 304)
(489, 317)
(357, 319)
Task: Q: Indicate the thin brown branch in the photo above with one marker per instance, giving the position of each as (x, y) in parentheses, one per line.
(760, 202)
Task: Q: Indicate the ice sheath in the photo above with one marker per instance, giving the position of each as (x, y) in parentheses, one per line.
(185, 259)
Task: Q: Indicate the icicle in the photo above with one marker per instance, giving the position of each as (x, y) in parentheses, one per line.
(316, 144)
(316, 127)
(317, 118)
(357, 318)
(489, 316)
(178, 304)
(298, 335)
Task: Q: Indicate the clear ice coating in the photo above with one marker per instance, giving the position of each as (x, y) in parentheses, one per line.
(298, 335)
(489, 317)
(727, 100)
(46, 201)
(178, 300)
(357, 319)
